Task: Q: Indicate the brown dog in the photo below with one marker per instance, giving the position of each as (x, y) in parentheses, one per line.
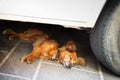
(47, 49)
(67, 56)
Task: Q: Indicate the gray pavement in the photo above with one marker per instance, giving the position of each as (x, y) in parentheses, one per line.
(11, 51)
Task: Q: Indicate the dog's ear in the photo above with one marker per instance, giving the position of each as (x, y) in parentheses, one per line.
(81, 61)
(71, 46)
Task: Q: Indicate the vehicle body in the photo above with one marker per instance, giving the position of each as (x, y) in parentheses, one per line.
(69, 13)
(104, 22)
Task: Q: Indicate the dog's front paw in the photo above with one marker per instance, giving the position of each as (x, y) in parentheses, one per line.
(29, 59)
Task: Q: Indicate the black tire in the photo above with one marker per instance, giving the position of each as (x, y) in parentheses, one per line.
(105, 37)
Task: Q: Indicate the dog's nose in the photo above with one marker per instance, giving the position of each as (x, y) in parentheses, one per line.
(66, 64)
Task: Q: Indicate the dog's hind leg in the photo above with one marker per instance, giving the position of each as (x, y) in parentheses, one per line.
(13, 34)
(9, 32)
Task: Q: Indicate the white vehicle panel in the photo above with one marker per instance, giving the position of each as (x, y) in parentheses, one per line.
(72, 13)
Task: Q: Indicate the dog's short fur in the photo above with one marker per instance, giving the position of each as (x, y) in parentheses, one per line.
(47, 49)
(28, 35)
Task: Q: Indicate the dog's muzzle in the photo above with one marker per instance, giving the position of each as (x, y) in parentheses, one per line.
(67, 64)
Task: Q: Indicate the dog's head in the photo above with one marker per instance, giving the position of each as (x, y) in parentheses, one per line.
(67, 59)
(67, 55)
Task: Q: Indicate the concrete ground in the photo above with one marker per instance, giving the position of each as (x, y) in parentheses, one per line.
(11, 51)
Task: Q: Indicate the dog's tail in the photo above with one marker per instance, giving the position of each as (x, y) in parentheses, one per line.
(9, 31)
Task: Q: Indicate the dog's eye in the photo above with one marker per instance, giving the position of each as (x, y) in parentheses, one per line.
(70, 58)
